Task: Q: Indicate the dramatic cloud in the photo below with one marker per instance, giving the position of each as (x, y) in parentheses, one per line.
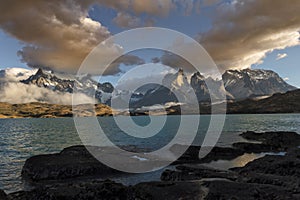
(281, 56)
(244, 31)
(59, 34)
(242, 34)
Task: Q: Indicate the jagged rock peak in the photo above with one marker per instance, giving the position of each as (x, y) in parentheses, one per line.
(39, 72)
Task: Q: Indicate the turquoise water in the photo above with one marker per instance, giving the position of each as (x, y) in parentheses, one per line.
(22, 138)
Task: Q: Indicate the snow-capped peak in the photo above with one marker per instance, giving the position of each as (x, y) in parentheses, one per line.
(254, 82)
(85, 85)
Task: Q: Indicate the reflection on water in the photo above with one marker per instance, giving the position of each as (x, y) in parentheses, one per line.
(240, 161)
(22, 138)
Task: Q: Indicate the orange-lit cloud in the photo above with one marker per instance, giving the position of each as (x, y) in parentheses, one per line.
(244, 31)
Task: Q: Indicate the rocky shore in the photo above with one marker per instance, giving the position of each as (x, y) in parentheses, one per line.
(75, 174)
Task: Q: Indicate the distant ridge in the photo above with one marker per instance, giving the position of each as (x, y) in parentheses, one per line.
(288, 102)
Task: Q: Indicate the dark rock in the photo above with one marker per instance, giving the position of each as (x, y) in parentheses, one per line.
(169, 191)
(3, 195)
(269, 141)
(270, 177)
(185, 190)
(220, 189)
(222, 153)
(72, 162)
(287, 182)
(210, 190)
(275, 165)
(281, 171)
(75, 191)
(196, 172)
(279, 140)
(191, 155)
(255, 147)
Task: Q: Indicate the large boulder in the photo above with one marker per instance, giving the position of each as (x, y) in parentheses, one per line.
(72, 162)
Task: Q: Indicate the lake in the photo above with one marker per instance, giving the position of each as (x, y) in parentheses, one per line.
(22, 138)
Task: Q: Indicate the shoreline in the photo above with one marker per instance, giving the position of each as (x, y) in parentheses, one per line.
(141, 115)
(186, 171)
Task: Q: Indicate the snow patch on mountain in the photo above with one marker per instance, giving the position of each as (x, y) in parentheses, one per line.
(18, 85)
(248, 83)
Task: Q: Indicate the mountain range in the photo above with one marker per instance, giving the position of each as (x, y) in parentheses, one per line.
(277, 103)
(238, 85)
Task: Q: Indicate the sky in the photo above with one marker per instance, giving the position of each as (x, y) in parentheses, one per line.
(237, 34)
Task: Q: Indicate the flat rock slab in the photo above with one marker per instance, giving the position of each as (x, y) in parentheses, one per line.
(72, 162)
(77, 162)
